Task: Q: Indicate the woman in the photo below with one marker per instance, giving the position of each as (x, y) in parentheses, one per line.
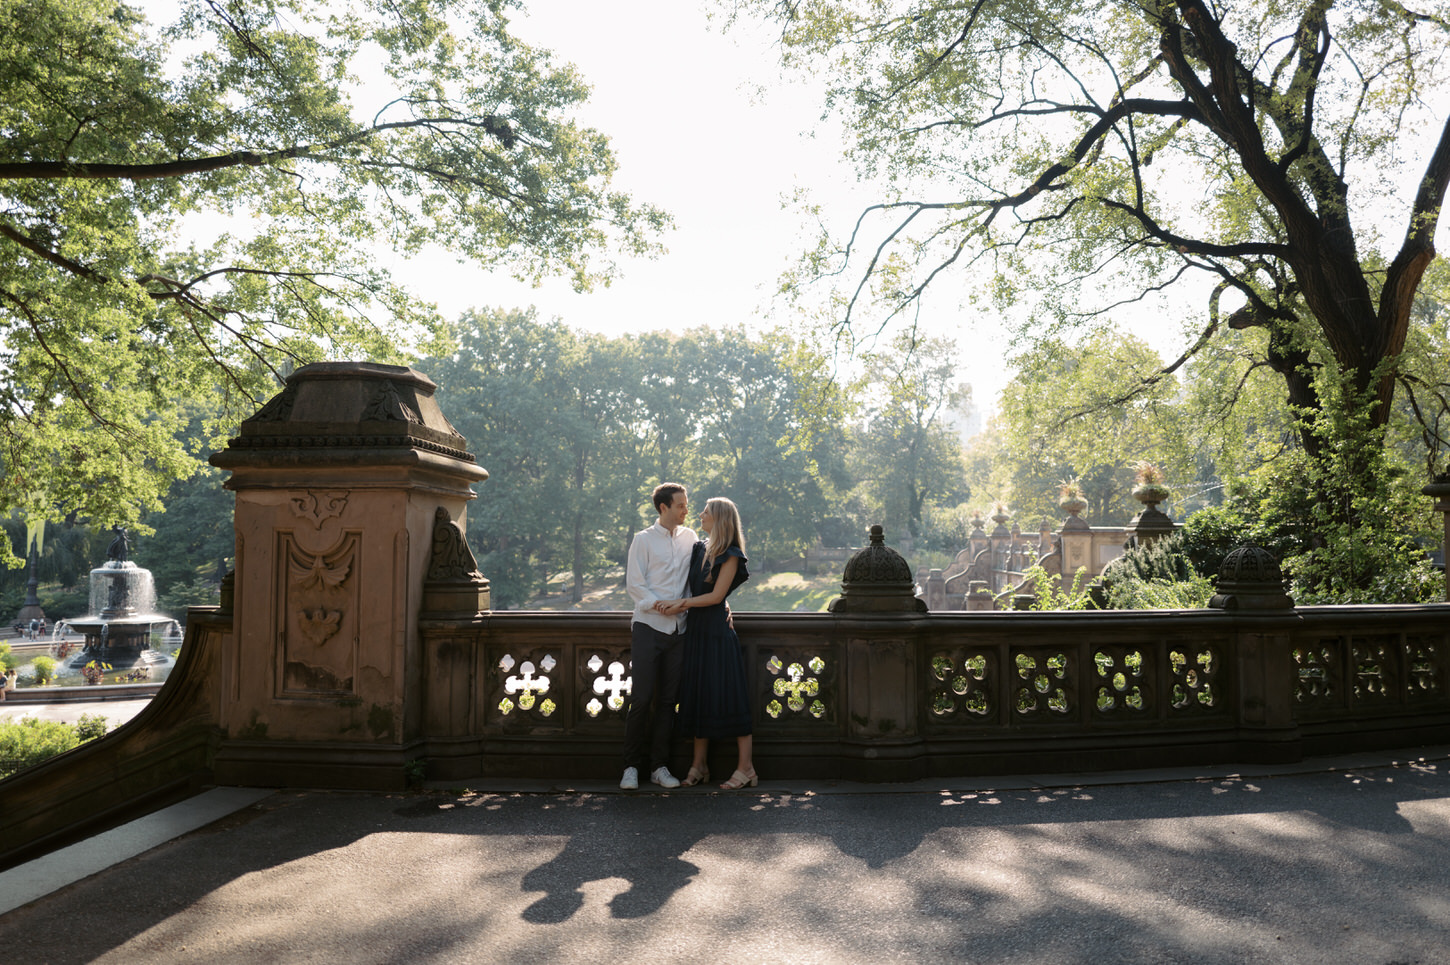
(714, 694)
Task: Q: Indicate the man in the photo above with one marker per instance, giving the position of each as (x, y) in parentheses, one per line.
(659, 563)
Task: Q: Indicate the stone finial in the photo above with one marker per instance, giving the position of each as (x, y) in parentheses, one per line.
(877, 580)
(453, 583)
(451, 559)
(1250, 579)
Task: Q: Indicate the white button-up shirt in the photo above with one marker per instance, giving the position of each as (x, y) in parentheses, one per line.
(658, 569)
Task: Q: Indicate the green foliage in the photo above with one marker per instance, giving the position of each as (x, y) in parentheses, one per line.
(1076, 410)
(44, 670)
(1192, 593)
(1047, 595)
(91, 726)
(201, 591)
(1358, 542)
(237, 127)
(1158, 576)
(787, 592)
(904, 453)
(1163, 559)
(575, 429)
(1070, 135)
(1346, 526)
(29, 741)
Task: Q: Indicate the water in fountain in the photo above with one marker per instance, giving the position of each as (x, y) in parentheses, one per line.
(123, 604)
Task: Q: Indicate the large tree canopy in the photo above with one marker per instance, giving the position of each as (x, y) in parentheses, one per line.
(1096, 153)
(317, 134)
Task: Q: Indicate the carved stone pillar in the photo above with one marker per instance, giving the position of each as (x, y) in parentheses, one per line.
(1251, 588)
(340, 482)
(1077, 547)
(979, 597)
(876, 607)
(936, 591)
(1439, 489)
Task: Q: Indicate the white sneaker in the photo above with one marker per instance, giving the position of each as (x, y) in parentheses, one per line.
(630, 781)
(664, 778)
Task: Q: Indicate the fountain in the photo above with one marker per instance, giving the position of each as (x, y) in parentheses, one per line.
(123, 601)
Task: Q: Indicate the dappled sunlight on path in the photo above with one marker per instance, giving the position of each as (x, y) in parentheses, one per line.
(1335, 867)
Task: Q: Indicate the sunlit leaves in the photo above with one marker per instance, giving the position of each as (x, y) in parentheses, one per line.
(324, 131)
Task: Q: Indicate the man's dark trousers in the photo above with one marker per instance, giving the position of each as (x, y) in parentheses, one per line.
(657, 661)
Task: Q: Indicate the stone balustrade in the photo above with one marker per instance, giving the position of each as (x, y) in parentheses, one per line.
(886, 698)
(355, 646)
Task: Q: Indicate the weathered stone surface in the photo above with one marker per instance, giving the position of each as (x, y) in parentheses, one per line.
(1250, 579)
(340, 481)
(877, 580)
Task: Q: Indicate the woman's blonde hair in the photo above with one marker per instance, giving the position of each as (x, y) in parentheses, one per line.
(725, 530)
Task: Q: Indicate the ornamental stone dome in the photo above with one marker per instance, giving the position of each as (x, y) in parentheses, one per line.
(336, 405)
(877, 580)
(1250, 579)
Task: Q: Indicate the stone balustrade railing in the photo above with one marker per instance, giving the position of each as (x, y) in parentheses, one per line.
(911, 696)
(355, 647)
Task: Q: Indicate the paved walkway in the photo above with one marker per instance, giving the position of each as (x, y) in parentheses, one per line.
(1344, 865)
(116, 712)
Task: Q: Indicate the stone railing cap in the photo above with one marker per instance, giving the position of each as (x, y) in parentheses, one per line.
(342, 404)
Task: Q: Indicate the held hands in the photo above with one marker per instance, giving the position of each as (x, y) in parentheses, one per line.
(670, 607)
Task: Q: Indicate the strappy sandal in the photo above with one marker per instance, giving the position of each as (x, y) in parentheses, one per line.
(740, 779)
(696, 776)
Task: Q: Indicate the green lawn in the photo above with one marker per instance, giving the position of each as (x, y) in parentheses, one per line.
(790, 592)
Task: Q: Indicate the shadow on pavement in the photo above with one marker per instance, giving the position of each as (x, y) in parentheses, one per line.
(1348, 866)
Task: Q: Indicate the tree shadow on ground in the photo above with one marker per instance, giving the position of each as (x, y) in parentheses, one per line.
(970, 871)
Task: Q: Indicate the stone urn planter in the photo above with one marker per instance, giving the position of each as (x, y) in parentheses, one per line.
(1150, 489)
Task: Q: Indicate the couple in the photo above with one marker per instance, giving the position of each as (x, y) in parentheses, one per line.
(696, 658)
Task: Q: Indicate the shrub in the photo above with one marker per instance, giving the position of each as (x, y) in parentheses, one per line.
(1190, 594)
(1158, 576)
(44, 670)
(1163, 560)
(29, 741)
(91, 726)
(1047, 595)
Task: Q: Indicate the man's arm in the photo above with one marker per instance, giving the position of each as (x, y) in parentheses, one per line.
(634, 580)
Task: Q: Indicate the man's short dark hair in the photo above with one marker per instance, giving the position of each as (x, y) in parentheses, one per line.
(664, 495)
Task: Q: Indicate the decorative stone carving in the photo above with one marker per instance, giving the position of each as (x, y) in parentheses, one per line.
(315, 572)
(1250, 579)
(279, 407)
(453, 583)
(877, 580)
(318, 508)
(387, 406)
(319, 639)
(317, 625)
(451, 558)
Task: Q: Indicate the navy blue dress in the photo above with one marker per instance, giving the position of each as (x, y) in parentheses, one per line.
(714, 695)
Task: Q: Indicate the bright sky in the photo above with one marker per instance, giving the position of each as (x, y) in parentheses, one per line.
(704, 126)
(694, 134)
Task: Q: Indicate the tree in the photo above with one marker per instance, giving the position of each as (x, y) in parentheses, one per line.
(575, 429)
(325, 131)
(1097, 155)
(498, 388)
(1075, 411)
(768, 437)
(906, 454)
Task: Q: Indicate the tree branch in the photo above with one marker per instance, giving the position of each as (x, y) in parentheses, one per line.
(33, 170)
